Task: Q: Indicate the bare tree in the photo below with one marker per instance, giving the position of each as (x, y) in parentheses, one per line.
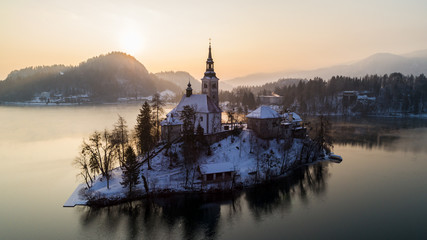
(101, 149)
(323, 138)
(86, 166)
(231, 118)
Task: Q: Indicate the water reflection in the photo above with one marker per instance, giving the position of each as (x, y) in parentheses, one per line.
(197, 216)
(278, 195)
(385, 133)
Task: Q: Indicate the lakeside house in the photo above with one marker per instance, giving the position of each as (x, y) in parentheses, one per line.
(273, 99)
(171, 128)
(265, 122)
(216, 172)
(294, 119)
(349, 98)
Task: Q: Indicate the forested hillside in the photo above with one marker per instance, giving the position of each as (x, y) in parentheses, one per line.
(180, 79)
(102, 79)
(394, 93)
(372, 94)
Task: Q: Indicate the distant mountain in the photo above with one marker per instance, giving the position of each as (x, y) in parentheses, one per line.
(224, 85)
(272, 86)
(180, 78)
(102, 79)
(417, 54)
(255, 79)
(381, 63)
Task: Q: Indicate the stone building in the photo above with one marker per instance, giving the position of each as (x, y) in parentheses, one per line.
(265, 122)
(171, 128)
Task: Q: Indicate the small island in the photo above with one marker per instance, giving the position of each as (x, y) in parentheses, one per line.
(192, 150)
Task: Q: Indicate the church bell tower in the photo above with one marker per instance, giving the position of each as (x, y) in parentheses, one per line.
(210, 81)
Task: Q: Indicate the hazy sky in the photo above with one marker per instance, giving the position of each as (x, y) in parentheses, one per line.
(247, 36)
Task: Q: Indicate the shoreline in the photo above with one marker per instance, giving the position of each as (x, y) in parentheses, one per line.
(75, 200)
(140, 101)
(32, 104)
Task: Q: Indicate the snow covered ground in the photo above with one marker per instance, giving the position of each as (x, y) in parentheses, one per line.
(246, 153)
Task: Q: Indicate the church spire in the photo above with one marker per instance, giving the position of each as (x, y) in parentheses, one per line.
(210, 72)
(209, 80)
(210, 53)
(189, 89)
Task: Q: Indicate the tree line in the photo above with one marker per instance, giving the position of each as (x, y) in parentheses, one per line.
(241, 98)
(387, 94)
(105, 150)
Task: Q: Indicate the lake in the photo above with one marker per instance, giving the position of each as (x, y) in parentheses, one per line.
(378, 191)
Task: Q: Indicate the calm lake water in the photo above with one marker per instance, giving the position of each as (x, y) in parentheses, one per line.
(379, 191)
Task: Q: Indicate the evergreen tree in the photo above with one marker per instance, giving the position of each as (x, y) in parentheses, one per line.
(143, 130)
(131, 171)
(188, 116)
(120, 138)
(157, 104)
(245, 100)
(200, 136)
(251, 100)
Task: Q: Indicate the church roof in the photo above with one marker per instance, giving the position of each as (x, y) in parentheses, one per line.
(263, 112)
(295, 117)
(171, 120)
(210, 75)
(200, 102)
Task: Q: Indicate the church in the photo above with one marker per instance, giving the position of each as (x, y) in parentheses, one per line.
(206, 106)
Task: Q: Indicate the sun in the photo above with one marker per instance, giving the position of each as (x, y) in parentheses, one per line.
(130, 42)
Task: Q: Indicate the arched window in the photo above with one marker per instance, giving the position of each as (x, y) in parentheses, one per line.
(205, 85)
(214, 85)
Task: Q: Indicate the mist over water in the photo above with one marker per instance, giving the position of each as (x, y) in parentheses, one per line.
(378, 191)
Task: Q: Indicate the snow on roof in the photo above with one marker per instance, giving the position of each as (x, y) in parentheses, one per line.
(295, 117)
(200, 103)
(172, 118)
(263, 112)
(209, 77)
(216, 168)
(365, 97)
(167, 93)
(273, 95)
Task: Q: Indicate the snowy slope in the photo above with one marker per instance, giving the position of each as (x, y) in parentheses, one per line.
(246, 153)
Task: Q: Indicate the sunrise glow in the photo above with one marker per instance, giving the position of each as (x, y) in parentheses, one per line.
(249, 37)
(131, 42)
